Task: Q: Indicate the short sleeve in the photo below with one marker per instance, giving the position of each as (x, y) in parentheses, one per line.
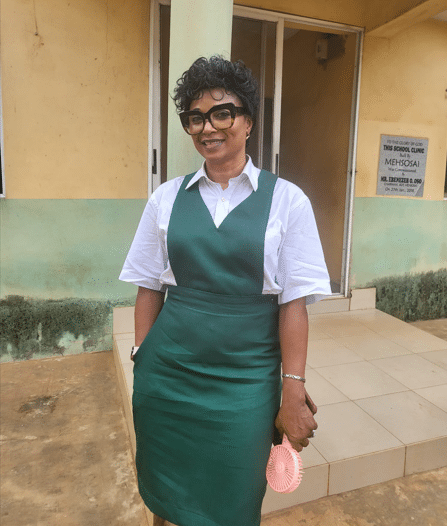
(302, 271)
(144, 262)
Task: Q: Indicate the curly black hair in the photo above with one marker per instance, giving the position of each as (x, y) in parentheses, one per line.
(217, 72)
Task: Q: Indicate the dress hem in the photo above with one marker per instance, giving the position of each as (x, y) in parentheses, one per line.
(180, 515)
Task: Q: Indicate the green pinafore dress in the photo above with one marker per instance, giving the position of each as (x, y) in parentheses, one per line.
(207, 376)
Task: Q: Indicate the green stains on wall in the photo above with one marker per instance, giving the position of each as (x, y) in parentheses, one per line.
(31, 328)
(59, 274)
(394, 237)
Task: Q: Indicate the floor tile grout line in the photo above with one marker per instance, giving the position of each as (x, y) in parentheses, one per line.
(389, 431)
(415, 354)
(316, 369)
(372, 453)
(427, 400)
(380, 424)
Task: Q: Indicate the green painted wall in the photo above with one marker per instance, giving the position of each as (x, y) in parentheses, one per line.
(60, 262)
(392, 237)
(59, 248)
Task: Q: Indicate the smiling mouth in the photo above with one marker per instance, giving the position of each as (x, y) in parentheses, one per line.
(211, 142)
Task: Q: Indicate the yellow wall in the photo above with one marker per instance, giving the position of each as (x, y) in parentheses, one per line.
(315, 126)
(75, 98)
(75, 94)
(403, 93)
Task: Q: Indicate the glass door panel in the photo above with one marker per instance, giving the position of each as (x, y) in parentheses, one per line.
(254, 42)
(310, 72)
(316, 110)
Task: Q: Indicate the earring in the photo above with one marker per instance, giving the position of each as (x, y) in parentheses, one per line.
(248, 135)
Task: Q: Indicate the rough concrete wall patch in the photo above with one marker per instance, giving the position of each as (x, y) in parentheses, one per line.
(35, 328)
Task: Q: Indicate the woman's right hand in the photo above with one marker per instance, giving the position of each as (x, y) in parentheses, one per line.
(310, 403)
(295, 418)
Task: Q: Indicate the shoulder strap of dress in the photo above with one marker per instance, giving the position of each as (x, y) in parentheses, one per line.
(268, 181)
(268, 174)
(186, 181)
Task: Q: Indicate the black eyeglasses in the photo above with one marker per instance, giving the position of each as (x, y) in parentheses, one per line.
(220, 116)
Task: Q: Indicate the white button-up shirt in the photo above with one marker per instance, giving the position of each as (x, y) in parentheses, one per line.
(294, 265)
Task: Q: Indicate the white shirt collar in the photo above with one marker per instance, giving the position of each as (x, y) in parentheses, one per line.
(249, 170)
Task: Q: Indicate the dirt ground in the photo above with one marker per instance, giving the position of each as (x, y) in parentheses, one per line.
(66, 457)
(436, 327)
(418, 500)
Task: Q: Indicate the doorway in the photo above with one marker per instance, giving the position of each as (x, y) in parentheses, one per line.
(308, 75)
(317, 93)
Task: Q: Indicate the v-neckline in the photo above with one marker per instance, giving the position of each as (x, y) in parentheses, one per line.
(208, 213)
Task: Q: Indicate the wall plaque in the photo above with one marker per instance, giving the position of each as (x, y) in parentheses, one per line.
(402, 166)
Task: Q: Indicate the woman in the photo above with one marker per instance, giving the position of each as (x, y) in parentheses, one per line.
(238, 250)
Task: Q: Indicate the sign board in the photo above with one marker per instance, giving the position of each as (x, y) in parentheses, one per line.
(402, 166)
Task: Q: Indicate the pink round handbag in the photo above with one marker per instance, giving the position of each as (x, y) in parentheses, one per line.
(284, 467)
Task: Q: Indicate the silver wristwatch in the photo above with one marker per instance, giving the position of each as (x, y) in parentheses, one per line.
(134, 350)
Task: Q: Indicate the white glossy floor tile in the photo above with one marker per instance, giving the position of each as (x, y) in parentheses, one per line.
(413, 371)
(436, 395)
(415, 340)
(360, 380)
(348, 328)
(437, 357)
(321, 391)
(316, 334)
(378, 321)
(124, 347)
(311, 457)
(124, 336)
(123, 320)
(322, 353)
(372, 315)
(345, 431)
(408, 416)
(128, 374)
(329, 306)
(372, 347)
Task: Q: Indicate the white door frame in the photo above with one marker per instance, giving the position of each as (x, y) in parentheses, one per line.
(154, 146)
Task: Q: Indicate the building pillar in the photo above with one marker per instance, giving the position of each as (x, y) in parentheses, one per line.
(198, 28)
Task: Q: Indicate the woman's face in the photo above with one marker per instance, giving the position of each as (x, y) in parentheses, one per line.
(221, 146)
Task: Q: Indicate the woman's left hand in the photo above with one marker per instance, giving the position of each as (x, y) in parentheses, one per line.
(295, 418)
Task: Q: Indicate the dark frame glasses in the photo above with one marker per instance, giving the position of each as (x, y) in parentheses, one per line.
(219, 121)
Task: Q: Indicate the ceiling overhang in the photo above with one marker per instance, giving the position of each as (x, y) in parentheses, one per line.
(423, 11)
